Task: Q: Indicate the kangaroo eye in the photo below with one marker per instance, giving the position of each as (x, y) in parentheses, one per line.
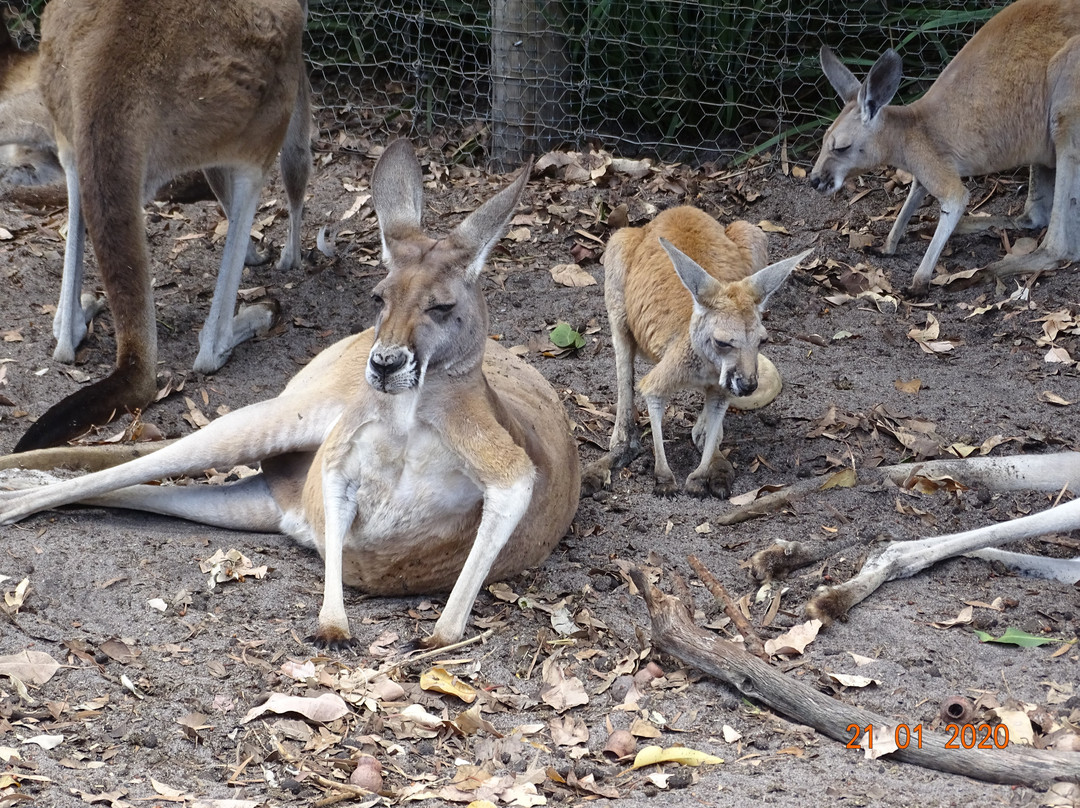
(841, 149)
(441, 310)
(721, 345)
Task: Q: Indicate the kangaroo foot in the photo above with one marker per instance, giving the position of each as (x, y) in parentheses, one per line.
(716, 480)
(1038, 261)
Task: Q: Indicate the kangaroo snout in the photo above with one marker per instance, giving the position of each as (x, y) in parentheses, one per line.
(385, 366)
(823, 183)
(741, 385)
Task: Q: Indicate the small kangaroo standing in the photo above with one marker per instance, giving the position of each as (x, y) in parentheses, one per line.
(687, 293)
(417, 456)
(1010, 98)
(136, 93)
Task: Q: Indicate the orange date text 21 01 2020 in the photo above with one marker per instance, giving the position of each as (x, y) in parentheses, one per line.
(961, 736)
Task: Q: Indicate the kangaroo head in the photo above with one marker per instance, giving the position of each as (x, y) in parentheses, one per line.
(853, 142)
(725, 328)
(433, 318)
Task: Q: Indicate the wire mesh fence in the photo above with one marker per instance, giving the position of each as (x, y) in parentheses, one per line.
(681, 79)
(690, 80)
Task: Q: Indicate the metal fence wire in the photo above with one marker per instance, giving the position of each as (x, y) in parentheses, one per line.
(695, 80)
(680, 79)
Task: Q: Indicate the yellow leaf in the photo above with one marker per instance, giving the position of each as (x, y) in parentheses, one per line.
(841, 479)
(441, 681)
(769, 227)
(651, 755)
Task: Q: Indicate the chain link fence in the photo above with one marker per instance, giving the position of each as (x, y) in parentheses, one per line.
(691, 80)
(696, 80)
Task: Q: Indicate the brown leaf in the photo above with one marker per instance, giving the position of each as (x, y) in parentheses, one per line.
(33, 667)
(571, 275)
(322, 709)
(912, 387)
(558, 690)
(794, 640)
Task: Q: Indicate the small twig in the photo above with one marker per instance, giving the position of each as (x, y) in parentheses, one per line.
(348, 788)
(723, 599)
(444, 649)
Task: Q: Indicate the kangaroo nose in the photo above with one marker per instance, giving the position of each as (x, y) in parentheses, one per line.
(385, 365)
(744, 387)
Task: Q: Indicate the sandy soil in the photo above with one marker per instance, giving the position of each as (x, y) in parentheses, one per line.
(200, 665)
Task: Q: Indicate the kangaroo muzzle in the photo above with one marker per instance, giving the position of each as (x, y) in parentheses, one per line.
(391, 368)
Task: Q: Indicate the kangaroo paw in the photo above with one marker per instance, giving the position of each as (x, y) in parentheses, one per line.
(1038, 261)
(665, 487)
(331, 640)
(596, 477)
(256, 257)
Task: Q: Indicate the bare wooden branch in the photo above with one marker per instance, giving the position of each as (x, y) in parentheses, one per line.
(675, 634)
(738, 619)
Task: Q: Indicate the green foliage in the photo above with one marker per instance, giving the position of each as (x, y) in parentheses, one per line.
(1015, 636)
(563, 336)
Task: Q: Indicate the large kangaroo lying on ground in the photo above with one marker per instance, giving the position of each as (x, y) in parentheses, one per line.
(700, 324)
(1010, 98)
(416, 456)
(137, 93)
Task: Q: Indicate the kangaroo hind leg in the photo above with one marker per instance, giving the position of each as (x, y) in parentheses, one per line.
(238, 190)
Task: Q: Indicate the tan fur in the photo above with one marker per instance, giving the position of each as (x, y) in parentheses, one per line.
(674, 315)
(137, 93)
(451, 467)
(1010, 97)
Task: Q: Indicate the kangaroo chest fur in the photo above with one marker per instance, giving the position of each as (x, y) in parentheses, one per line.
(417, 508)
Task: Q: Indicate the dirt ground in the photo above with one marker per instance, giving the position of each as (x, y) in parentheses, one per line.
(150, 705)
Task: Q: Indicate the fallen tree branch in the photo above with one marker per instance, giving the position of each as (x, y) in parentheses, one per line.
(738, 619)
(674, 633)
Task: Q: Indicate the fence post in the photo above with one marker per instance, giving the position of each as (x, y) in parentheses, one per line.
(528, 80)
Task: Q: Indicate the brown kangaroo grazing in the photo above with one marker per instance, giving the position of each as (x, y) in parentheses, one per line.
(701, 326)
(416, 456)
(1010, 98)
(137, 93)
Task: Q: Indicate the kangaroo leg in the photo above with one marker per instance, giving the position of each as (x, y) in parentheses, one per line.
(69, 326)
(715, 474)
(223, 331)
(916, 196)
(266, 429)
(111, 180)
(295, 172)
(220, 183)
(954, 201)
(625, 443)
(243, 505)
(1062, 241)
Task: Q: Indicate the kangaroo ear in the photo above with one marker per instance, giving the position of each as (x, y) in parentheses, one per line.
(701, 284)
(766, 281)
(483, 228)
(842, 79)
(397, 191)
(880, 86)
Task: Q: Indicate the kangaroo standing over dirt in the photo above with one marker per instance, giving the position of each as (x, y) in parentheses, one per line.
(138, 92)
(700, 324)
(1010, 98)
(416, 456)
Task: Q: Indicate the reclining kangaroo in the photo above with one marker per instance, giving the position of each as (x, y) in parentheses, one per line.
(416, 456)
(135, 94)
(700, 325)
(1010, 98)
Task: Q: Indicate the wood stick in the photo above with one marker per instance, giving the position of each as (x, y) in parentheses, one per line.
(675, 633)
(738, 619)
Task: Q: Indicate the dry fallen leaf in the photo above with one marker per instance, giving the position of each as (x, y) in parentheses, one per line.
(770, 227)
(560, 691)
(440, 680)
(881, 740)
(913, 386)
(851, 680)
(322, 709)
(794, 640)
(927, 338)
(1054, 398)
(961, 619)
(651, 755)
(621, 744)
(571, 275)
(33, 667)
